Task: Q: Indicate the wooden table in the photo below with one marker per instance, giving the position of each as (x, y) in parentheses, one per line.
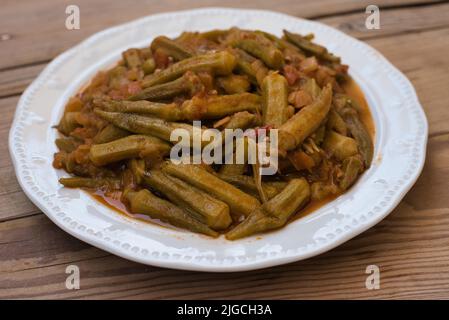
(411, 246)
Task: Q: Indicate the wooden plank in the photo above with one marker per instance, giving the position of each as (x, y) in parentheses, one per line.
(426, 67)
(35, 41)
(409, 247)
(13, 201)
(14, 81)
(393, 21)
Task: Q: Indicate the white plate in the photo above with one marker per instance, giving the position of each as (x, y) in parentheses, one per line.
(400, 148)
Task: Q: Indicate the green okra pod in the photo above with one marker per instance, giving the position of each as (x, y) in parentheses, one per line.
(293, 132)
(137, 167)
(90, 183)
(359, 132)
(125, 148)
(210, 107)
(67, 144)
(220, 63)
(202, 206)
(147, 125)
(144, 202)
(352, 166)
(149, 65)
(335, 122)
(274, 100)
(214, 35)
(234, 83)
(275, 212)
(171, 48)
(258, 46)
(213, 107)
(311, 87)
(238, 201)
(339, 146)
(132, 58)
(281, 43)
(310, 47)
(250, 66)
(166, 111)
(187, 83)
(110, 133)
(68, 122)
(247, 184)
(243, 120)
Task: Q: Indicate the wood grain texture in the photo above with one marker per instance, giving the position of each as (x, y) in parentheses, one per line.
(394, 21)
(40, 30)
(13, 202)
(14, 81)
(410, 246)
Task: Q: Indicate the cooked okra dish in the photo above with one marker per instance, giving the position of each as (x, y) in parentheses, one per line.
(115, 134)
